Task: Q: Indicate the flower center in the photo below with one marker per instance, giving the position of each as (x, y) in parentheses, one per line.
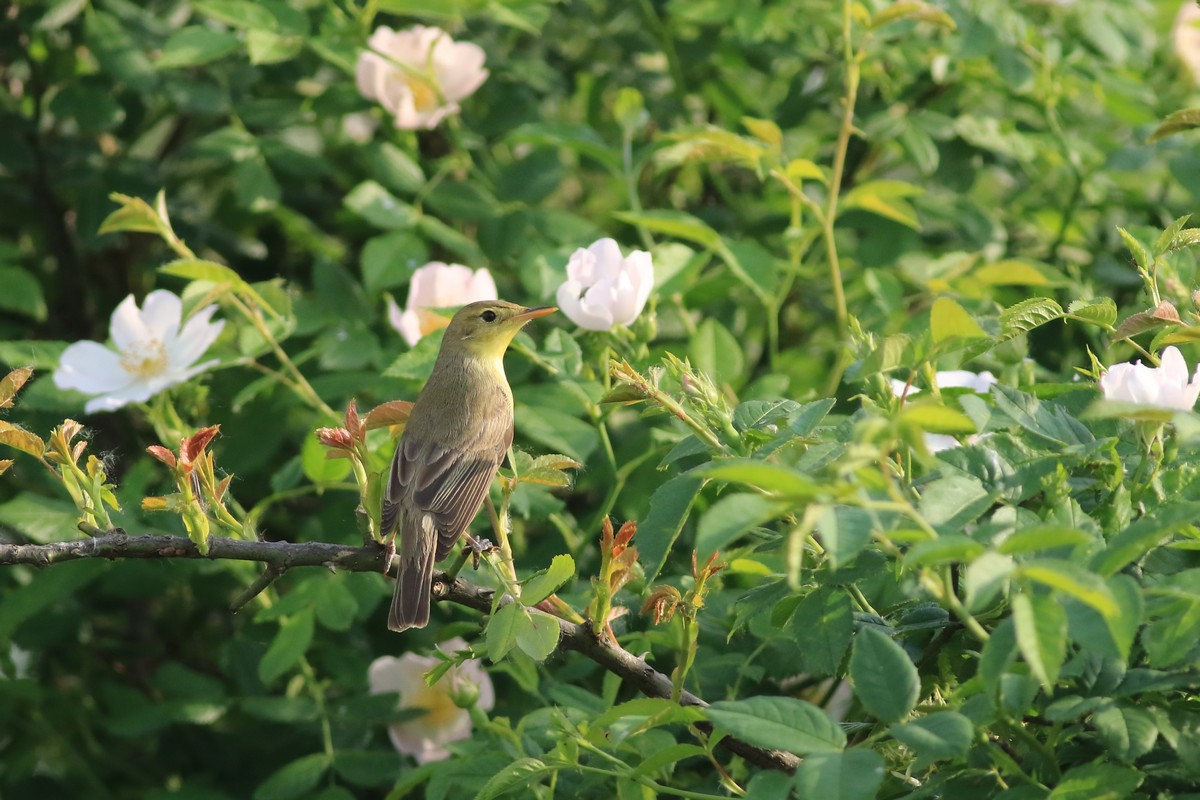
(424, 92)
(440, 711)
(145, 359)
(430, 322)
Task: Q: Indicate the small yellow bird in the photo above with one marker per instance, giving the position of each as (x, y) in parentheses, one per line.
(456, 437)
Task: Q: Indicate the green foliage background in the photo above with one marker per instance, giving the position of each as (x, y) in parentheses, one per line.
(1018, 617)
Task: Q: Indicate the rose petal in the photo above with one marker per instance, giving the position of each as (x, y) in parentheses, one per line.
(195, 338)
(608, 259)
(126, 327)
(90, 367)
(161, 313)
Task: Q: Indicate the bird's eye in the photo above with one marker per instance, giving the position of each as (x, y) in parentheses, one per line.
(488, 316)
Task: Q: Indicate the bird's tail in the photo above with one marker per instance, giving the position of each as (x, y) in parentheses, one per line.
(410, 602)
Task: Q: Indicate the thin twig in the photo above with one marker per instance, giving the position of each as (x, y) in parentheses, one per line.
(280, 556)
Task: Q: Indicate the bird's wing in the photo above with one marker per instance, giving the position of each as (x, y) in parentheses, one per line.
(448, 483)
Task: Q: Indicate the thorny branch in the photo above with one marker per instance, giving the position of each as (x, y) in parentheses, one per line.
(281, 556)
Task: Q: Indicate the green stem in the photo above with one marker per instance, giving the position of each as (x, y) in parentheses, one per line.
(839, 167)
(668, 47)
(306, 391)
(653, 786)
(318, 696)
(631, 191)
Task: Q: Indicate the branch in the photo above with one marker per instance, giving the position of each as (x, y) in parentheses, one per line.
(281, 556)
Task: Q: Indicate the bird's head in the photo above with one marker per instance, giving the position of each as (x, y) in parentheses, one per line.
(484, 329)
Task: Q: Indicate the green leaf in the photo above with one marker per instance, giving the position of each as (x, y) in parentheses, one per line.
(715, 352)
(1043, 537)
(388, 260)
(1097, 782)
(1135, 247)
(433, 228)
(1045, 420)
(540, 586)
(502, 630)
(199, 269)
(417, 363)
(1184, 120)
(367, 767)
(954, 502)
(295, 779)
(1041, 628)
(657, 531)
(649, 712)
(1128, 733)
(758, 414)
(39, 354)
(764, 475)
(674, 223)
(887, 199)
(318, 468)
(852, 775)
(1170, 640)
(1143, 536)
(195, 45)
(1072, 579)
(949, 320)
(937, 736)
(985, 578)
(914, 10)
(730, 517)
(289, 645)
(667, 756)
(20, 604)
(822, 626)
(520, 774)
(394, 168)
(1163, 315)
(235, 13)
(22, 293)
(1014, 272)
(380, 207)
(933, 418)
(783, 723)
(537, 635)
(336, 605)
(1027, 315)
(885, 678)
(265, 47)
(950, 548)
(1101, 311)
(845, 531)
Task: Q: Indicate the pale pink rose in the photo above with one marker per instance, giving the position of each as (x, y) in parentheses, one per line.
(419, 75)
(604, 288)
(1165, 386)
(438, 285)
(978, 382)
(444, 722)
(152, 352)
(1185, 36)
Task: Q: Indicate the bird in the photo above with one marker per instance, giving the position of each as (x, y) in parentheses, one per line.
(456, 436)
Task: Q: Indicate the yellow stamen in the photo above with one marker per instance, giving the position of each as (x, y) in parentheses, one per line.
(424, 91)
(145, 359)
(440, 710)
(428, 321)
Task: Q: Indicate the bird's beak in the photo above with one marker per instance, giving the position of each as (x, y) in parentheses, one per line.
(534, 313)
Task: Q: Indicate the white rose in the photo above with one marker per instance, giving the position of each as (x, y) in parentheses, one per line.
(978, 382)
(425, 737)
(1185, 36)
(419, 75)
(603, 288)
(153, 352)
(438, 285)
(1165, 386)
